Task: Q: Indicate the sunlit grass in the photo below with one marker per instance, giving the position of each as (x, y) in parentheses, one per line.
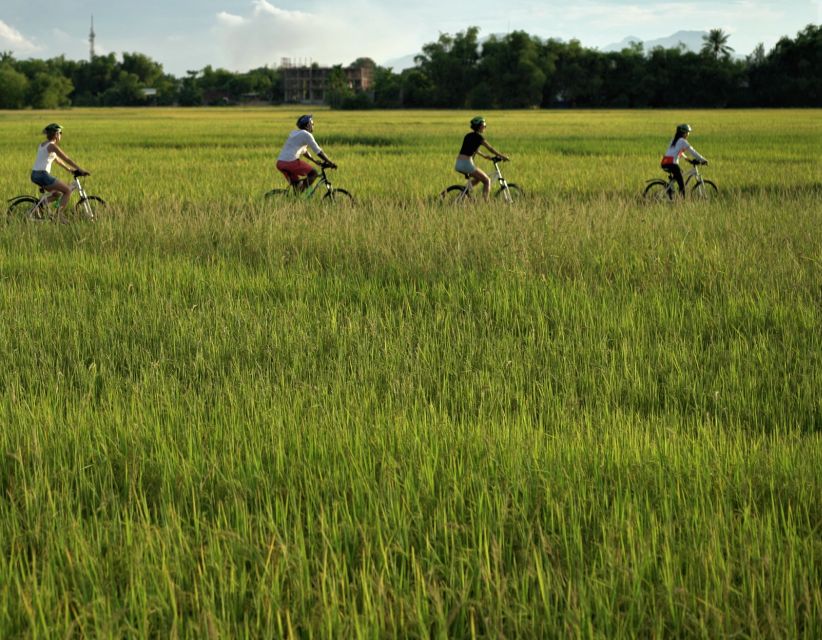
(577, 416)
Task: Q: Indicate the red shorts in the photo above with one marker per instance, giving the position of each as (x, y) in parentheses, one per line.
(294, 169)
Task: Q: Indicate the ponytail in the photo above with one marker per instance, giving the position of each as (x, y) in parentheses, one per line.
(679, 134)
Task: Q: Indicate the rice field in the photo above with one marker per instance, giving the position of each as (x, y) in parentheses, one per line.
(577, 416)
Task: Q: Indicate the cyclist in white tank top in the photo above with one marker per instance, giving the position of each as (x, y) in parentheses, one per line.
(49, 152)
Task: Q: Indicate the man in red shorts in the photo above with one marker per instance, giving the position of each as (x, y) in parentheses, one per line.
(299, 141)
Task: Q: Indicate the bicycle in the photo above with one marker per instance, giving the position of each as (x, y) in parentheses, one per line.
(44, 207)
(659, 190)
(300, 189)
(508, 191)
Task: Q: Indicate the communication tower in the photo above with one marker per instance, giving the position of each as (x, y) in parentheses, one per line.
(91, 41)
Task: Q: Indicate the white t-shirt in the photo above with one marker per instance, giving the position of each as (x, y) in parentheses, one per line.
(44, 158)
(675, 152)
(298, 141)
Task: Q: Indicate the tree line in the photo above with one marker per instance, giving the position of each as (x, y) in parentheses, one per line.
(516, 70)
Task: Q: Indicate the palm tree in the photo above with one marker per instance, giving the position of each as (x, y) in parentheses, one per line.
(716, 44)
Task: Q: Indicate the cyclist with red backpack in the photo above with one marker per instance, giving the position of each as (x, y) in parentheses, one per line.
(680, 146)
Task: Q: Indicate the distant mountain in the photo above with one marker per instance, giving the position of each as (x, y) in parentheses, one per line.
(691, 39)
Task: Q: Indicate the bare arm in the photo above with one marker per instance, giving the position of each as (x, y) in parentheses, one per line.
(63, 160)
(322, 156)
(492, 150)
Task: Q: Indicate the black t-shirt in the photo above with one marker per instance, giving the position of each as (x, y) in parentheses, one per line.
(470, 143)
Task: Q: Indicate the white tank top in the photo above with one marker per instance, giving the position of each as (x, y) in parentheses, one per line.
(44, 158)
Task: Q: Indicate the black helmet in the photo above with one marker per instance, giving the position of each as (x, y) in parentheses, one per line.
(683, 128)
(477, 122)
(304, 120)
(52, 128)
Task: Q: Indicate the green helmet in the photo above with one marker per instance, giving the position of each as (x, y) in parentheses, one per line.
(477, 122)
(52, 128)
(683, 128)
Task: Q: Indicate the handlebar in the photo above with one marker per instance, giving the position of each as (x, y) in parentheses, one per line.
(79, 173)
(697, 162)
(496, 159)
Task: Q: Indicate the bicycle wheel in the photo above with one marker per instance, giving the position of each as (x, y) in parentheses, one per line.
(705, 190)
(339, 195)
(455, 193)
(89, 208)
(25, 208)
(276, 194)
(511, 193)
(657, 191)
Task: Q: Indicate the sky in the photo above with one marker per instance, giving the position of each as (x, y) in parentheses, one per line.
(239, 35)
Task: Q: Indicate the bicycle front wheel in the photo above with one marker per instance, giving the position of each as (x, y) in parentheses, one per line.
(510, 193)
(657, 191)
(89, 208)
(455, 193)
(339, 195)
(25, 208)
(705, 190)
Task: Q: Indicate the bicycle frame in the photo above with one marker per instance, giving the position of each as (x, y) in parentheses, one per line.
(656, 189)
(691, 174)
(299, 189)
(309, 192)
(45, 206)
(496, 175)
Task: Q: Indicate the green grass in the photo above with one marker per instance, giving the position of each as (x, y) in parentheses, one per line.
(579, 416)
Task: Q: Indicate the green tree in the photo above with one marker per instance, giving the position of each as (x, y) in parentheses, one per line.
(189, 93)
(338, 89)
(715, 44)
(128, 90)
(387, 88)
(14, 87)
(47, 91)
(451, 66)
(579, 77)
(147, 70)
(510, 72)
(417, 88)
(791, 73)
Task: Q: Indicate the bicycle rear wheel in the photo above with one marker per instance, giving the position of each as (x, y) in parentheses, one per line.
(25, 208)
(455, 193)
(89, 208)
(705, 190)
(339, 195)
(511, 193)
(657, 191)
(277, 194)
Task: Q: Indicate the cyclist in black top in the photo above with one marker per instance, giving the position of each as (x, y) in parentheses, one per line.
(471, 144)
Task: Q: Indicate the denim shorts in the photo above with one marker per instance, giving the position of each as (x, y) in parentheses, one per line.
(464, 166)
(43, 179)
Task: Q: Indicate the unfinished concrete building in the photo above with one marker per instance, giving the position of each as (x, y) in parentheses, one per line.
(308, 83)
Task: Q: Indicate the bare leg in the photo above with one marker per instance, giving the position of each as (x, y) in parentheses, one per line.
(309, 179)
(480, 176)
(63, 191)
(60, 190)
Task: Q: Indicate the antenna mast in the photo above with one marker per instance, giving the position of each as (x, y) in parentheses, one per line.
(91, 40)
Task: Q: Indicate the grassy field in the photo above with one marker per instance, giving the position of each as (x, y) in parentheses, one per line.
(578, 416)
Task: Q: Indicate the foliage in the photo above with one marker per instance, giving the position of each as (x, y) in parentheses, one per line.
(715, 44)
(14, 87)
(517, 70)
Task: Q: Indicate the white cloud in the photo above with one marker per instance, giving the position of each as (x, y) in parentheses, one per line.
(327, 36)
(11, 38)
